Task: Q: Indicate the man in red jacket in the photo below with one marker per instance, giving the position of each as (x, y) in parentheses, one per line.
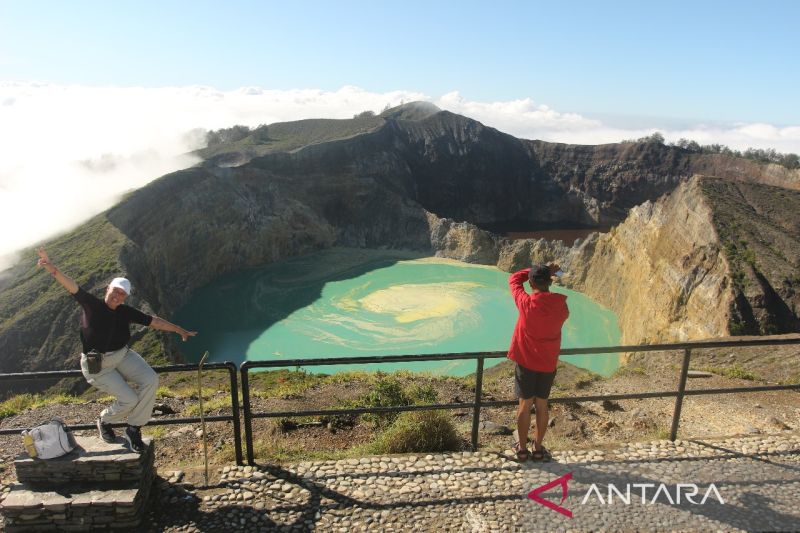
(535, 347)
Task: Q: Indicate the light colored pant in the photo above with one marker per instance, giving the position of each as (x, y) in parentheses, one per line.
(119, 368)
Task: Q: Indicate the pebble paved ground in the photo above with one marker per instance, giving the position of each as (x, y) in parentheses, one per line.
(757, 482)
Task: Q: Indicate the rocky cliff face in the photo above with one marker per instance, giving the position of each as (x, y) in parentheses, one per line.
(421, 180)
(198, 225)
(710, 259)
(662, 271)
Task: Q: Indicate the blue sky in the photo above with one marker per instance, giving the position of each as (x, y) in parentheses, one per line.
(126, 90)
(706, 61)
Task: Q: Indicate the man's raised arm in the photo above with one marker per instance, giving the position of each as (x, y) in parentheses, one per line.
(516, 283)
(67, 282)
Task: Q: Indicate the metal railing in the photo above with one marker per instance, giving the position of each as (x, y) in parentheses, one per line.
(233, 417)
(478, 403)
(476, 406)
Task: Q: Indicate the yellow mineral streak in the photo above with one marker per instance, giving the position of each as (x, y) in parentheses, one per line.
(412, 302)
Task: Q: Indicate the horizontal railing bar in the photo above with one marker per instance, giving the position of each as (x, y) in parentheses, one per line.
(470, 405)
(370, 359)
(364, 410)
(633, 396)
(599, 350)
(505, 403)
(679, 346)
(55, 374)
(190, 366)
(698, 392)
(159, 422)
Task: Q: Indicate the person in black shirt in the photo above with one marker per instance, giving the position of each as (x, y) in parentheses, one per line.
(105, 327)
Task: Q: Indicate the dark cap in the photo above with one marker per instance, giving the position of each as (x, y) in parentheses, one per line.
(540, 273)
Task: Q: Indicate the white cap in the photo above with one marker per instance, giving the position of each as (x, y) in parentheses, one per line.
(121, 283)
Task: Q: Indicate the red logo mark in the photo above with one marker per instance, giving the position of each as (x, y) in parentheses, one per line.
(534, 494)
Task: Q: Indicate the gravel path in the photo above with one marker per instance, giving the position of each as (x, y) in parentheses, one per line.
(757, 483)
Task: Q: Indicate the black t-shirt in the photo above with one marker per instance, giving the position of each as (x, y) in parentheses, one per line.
(98, 320)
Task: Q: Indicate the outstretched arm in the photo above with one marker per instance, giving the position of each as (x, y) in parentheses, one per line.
(163, 325)
(67, 282)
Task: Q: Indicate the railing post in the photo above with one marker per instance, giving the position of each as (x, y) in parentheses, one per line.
(676, 415)
(476, 413)
(248, 421)
(237, 429)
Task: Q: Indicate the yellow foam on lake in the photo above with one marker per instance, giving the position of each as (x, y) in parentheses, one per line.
(448, 261)
(412, 302)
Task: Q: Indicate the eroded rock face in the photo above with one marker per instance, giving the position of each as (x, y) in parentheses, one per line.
(462, 241)
(710, 259)
(662, 271)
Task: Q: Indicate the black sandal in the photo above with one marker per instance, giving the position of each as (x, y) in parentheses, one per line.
(541, 454)
(523, 454)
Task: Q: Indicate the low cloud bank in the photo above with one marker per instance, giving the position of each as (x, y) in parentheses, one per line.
(69, 152)
(524, 118)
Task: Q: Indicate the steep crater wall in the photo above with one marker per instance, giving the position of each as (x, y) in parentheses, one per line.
(712, 258)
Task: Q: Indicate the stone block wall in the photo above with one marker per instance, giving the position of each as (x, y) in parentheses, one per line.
(94, 461)
(98, 487)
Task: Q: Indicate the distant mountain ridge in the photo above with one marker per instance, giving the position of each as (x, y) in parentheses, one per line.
(246, 144)
(402, 179)
(459, 166)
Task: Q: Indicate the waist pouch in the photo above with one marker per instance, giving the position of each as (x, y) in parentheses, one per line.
(94, 361)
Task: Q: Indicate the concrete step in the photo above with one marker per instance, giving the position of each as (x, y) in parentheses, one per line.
(93, 461)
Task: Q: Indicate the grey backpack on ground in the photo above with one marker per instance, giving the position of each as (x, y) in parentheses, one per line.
(49, 440)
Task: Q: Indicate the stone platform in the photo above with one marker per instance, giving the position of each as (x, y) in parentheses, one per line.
(94, 461)
(97, 486)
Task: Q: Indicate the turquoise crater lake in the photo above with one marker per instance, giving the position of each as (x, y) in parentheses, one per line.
(354, 302)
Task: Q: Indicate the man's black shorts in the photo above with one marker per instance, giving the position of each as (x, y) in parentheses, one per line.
(530, 383)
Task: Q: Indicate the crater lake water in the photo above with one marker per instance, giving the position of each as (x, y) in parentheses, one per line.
(353, 302)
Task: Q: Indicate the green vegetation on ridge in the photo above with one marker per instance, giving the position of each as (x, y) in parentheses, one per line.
(284, 136)
(788, 160)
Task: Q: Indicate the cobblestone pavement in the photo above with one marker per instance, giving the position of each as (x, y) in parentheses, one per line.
(749, 483)
(756, 486)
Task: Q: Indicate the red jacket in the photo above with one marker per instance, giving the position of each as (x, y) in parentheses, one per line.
(537, 336)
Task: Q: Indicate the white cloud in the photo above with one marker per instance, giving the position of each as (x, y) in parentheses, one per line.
(70, 151)
(516, 116)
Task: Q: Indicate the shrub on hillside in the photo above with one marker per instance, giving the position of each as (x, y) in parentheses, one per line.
(387, 391)
(423, 394)
(418, 432)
